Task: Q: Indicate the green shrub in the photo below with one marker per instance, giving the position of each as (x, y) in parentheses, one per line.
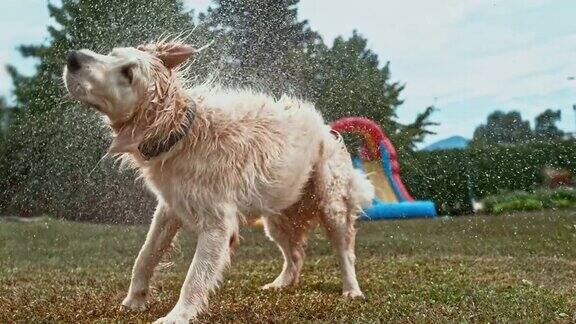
(525, 201)
(562, 203)
(442, 177)
(451, 178)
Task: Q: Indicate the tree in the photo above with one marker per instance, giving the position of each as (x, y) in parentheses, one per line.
(263, 42)
(267, 48)
(415, 132)
(5, 116)
(350, 82)
(503, 128)
(545, 128)
(50, 162)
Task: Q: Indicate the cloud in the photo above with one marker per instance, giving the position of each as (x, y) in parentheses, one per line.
(20, 23)
(467, 57)
(537, 68)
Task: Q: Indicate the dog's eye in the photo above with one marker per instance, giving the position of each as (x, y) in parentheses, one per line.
(128, 72)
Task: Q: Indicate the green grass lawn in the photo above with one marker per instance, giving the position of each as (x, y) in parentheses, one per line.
(472, 269)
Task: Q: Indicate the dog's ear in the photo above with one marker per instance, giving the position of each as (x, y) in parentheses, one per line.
(171, 54)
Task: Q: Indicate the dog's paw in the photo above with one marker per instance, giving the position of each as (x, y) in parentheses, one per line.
(178, 315)
(132, 304)
(174, 319)
(171, 320)
(274, 286)
(353, 294)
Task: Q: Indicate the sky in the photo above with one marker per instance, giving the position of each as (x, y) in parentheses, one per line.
(466, 57)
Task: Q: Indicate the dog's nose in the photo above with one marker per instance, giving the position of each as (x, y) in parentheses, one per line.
(73, 62)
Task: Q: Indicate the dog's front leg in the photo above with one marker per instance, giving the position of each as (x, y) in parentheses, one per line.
(215, 235)
(162, 230)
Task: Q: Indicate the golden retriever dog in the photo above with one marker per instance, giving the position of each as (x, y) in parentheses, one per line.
(215, 157)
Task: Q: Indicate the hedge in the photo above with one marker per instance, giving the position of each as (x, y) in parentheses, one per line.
(452, 177)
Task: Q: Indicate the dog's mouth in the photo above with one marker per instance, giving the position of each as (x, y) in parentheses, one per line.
(93, 105)
(89, 104)
(77, 90)
(73, 85)
(86, 103)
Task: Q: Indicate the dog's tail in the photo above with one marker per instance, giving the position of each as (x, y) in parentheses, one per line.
(361, 189)
(340, 178)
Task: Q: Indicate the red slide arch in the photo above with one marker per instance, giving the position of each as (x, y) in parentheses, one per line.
(377, 144)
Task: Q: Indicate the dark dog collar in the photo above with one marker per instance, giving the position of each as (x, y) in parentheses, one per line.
(154, 147)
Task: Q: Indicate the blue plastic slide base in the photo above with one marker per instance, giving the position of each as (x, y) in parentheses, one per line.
(399, 210)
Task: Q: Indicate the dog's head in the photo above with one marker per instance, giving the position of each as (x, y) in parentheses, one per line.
(118, 83)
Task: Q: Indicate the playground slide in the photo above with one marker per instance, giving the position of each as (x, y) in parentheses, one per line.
(381, 167)
(382, 188)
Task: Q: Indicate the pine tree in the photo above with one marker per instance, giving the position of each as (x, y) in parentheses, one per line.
(350, 82)
(409, 135)
(51, 157)
(265, 46)
(263, 42)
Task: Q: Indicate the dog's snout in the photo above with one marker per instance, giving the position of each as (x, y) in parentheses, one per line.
(73, 62)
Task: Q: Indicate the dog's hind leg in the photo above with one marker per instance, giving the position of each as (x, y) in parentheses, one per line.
(159, 238)
(341, 232)
(342, 192)
(290, 234)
